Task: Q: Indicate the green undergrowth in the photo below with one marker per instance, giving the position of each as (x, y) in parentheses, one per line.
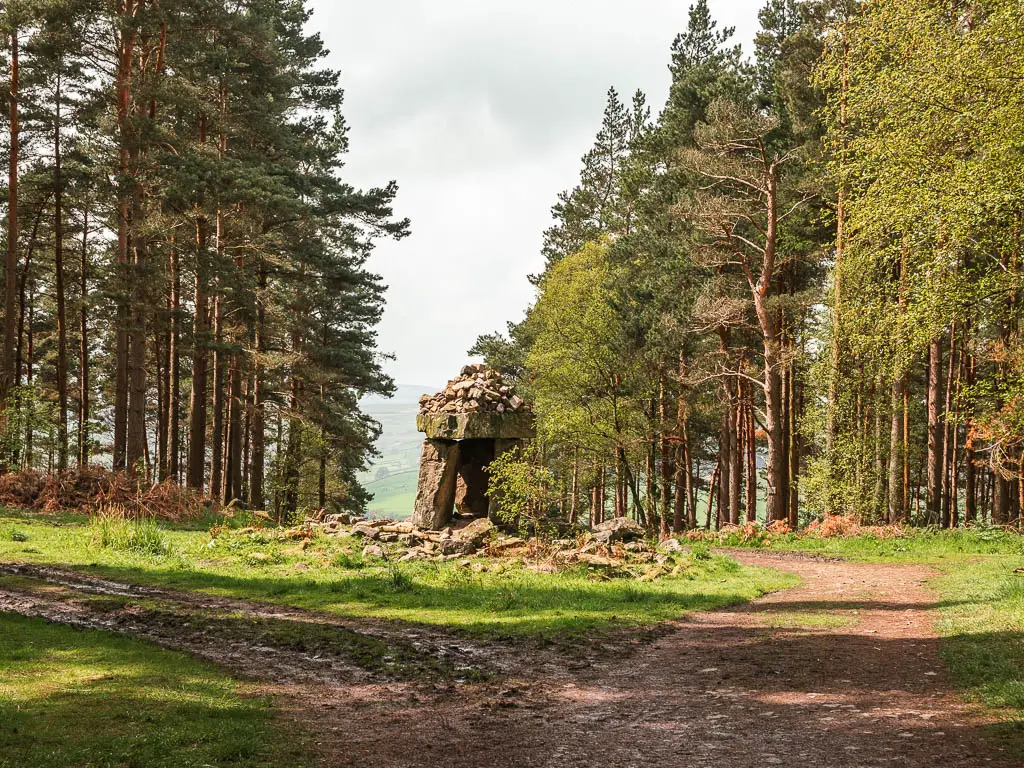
(505, 598)
(89, 698)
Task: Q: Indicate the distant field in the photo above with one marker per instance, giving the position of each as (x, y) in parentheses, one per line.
(393, 496)
(399, 444)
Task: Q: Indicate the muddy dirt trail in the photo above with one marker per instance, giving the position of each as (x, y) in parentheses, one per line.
(840, 672)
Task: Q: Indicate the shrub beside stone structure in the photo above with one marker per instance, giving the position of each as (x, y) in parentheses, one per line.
(472, 421)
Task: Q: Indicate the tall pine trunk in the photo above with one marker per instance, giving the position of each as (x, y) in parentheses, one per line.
(136, 447)
(196, 474)
(122, 86)
(666, 460)
(775, 469)
(735, 458)
(10, 372)
(896, 449)
(233, 475)
(217, 395)
(256, 492)
(172, 449)
(934, 459)
(751, 462)
(62, 318)
(83, 351)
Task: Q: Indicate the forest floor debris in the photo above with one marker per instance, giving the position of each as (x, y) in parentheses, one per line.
(92, 489)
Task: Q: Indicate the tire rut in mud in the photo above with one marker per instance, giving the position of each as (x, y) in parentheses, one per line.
(254, 640)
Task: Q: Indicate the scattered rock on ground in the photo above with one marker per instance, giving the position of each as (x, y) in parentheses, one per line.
(476, 532)
(619, 529)
(614, 543)
(669, 546)
(459, 547)
(365, 530)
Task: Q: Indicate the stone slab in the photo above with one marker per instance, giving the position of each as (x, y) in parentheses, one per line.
(435, 494)
(477, 426)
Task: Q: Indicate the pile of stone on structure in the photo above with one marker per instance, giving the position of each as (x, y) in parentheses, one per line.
(476, 390)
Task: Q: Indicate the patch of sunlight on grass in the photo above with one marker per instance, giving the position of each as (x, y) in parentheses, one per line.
(329, 574)
(70, 697)
(982, 621)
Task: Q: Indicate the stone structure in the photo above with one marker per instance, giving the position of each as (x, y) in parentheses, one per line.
(475, 419)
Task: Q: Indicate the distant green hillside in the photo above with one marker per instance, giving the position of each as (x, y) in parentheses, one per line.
(392, 477)
(393, 496)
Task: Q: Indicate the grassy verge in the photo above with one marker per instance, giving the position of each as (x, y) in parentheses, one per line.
(329, 574)
(73, 698)
(930, 546)
(982, 621)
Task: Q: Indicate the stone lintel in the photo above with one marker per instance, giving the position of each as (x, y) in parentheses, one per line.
(477, 426)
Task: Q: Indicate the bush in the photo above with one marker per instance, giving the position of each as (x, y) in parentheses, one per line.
(143, 536)
(700, 551)
(13, 534)
(397, 580)
(846, 526)
(89, 488)
(522, 487)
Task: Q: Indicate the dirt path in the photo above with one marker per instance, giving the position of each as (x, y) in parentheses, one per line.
(841, 672)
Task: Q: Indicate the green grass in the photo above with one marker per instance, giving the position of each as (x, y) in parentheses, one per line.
(74, 698)
(143, 537)
(924, 546)
(329, 574)
(983, 623)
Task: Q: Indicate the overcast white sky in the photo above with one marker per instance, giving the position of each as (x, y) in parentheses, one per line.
(481, 112)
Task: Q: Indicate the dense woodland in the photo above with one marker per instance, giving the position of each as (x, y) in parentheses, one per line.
(796, 289)
(186, 298)
(793, 290)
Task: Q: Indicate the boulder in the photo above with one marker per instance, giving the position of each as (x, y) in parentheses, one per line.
(456, 547)
(597, 561)
(653, 573)
(465, 424)
(373, 550)
(668, 546)
(366, 531)
(476, 532)
(619, 529)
